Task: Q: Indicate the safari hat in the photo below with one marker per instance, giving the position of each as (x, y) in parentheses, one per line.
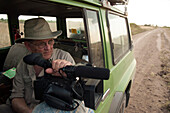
(38, 29)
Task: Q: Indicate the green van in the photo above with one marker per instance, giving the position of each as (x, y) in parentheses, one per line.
(94, 31)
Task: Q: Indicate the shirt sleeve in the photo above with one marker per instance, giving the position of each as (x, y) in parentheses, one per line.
(60, 54)
(18, 82)
(68, 57)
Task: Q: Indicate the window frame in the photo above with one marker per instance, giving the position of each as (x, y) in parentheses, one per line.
(86, 24)
(110, 38)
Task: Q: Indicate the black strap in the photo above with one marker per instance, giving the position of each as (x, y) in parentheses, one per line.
(60, 104)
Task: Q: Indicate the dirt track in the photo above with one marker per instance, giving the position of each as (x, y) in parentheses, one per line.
(151, 88)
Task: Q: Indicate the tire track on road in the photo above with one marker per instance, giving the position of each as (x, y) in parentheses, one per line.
(148, 89)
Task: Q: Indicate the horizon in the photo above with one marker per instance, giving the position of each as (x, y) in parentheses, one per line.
(150, 12)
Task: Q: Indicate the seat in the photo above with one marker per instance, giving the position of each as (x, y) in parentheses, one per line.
(15, 54)
(75, 51)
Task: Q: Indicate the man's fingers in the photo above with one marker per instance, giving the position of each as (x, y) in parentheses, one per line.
(52, 72)
(57, 64)
(49, 71)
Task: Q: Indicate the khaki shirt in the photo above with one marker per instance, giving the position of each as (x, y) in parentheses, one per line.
(25, 75)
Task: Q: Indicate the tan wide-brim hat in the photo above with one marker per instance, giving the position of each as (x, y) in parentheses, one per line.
(38, 29)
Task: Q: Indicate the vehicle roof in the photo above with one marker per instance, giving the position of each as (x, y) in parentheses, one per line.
(39, 7)
(35, 7)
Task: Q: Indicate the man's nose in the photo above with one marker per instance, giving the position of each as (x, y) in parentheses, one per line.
(47, 46)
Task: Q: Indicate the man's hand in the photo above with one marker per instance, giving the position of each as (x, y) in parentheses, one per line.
(56, 65)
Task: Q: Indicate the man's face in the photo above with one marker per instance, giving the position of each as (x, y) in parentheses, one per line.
(45, 47)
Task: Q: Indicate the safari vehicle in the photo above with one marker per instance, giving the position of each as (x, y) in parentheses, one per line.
(94, 31)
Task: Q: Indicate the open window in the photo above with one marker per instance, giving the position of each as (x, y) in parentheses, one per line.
(73, 38)
(51, 21)
(5, 41)
(75, 28)
(4, 33)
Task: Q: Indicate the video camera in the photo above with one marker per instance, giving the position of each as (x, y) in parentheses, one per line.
(64, 92)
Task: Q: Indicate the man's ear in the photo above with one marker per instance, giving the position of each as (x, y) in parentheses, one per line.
(27, 45)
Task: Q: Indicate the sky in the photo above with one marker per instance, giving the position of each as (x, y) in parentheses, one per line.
(154, 12)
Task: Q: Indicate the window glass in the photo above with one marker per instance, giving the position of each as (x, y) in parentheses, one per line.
(4, 31)
(119, 36)
(75, 28)
(51, 21)
(96, 50)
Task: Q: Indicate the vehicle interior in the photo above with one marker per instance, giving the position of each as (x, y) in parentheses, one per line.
(72, 40)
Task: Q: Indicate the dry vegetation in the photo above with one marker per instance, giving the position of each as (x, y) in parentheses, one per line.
(4, 34)
(135, 29)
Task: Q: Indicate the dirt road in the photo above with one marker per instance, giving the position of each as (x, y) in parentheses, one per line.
(151, 88)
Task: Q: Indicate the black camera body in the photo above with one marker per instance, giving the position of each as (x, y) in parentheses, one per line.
(56, 92)
(64, 93)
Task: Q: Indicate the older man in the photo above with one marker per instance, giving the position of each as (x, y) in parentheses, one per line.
(38, 39)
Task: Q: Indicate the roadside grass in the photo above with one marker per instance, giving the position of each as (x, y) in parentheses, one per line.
(135, 29)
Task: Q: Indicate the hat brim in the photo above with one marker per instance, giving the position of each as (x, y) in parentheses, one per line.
(50, 36)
